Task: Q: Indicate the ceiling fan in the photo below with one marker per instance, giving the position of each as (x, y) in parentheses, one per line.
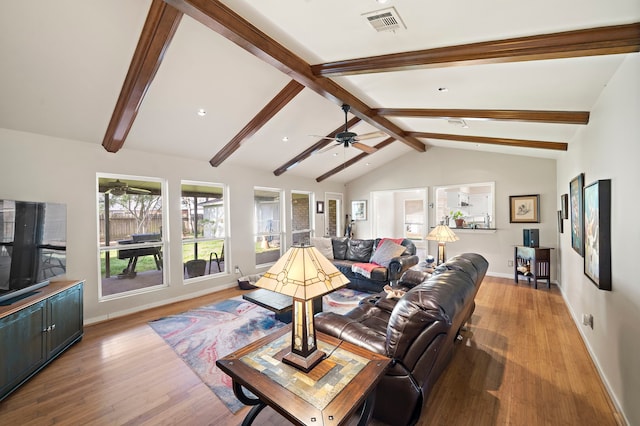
(118, 188)
(347, 138)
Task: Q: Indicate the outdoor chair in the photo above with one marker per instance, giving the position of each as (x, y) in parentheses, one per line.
(218, 258)
(195, 268)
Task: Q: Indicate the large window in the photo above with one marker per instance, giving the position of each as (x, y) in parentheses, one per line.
(301, 217)
(268, 229)
(204, 229)
(131, 242)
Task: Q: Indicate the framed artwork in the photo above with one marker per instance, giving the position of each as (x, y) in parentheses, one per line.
(359, 210)
(564, 205)
(577, 220)
(524, 208)
(560, 222)
(320, 207)
(597, 233)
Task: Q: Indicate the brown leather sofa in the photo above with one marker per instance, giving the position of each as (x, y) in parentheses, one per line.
(347, 251)
(418, 331)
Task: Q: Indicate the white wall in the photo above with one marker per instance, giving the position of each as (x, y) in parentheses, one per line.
(41, 168)
(609, 148)
(513, 175)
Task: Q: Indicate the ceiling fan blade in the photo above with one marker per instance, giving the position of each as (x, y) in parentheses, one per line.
(327, 148)
(362, 147)
(138, 191)
(371, 135)
(323, 137)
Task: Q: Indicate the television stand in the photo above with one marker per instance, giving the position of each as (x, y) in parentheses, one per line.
(38, 328)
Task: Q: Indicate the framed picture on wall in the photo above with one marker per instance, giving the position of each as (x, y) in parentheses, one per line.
(577, 220)
(564, 205)
(524, 208)
(359, 210)
(560, 222)
(597, 233)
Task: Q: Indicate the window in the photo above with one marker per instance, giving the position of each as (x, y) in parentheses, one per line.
(475, 201)
(267, 224)
(131, 243)
(414, 218)
(301, 217)
(204, 229)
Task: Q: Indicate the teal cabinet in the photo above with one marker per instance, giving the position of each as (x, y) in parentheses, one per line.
(34, 332)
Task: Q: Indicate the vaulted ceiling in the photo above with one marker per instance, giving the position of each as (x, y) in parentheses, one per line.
(270, 76)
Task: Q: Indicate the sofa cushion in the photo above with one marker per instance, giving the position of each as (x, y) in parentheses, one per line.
(386, 251)
(323, 245)
(340, 247)
(359, 250)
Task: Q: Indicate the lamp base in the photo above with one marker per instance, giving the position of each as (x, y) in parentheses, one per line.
(305, 364)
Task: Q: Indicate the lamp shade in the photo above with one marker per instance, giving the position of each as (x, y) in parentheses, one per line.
(442, 234)
(304, 273)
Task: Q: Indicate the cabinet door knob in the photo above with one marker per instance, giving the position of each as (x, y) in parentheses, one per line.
(53, 327)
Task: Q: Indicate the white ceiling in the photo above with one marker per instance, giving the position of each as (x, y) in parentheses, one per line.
(63, 64)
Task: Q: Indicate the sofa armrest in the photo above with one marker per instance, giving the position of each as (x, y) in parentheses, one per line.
(399, 264)
(349, 330)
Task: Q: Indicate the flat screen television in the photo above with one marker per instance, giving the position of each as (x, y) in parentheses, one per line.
(33, 243)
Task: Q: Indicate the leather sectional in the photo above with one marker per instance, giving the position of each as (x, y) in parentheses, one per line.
(418, 331)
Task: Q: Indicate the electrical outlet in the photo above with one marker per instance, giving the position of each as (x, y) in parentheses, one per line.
(510, 263)
(237, 269)
(587, 319)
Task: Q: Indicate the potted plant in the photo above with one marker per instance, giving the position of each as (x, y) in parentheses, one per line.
(458, 217)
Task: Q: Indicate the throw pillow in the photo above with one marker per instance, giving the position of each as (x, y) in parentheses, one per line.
(359, 250)
(323, 245)
(385, 252)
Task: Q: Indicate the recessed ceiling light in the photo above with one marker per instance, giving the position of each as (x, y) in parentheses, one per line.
(442, 89)
(285, 139)
(335, 154)
(201, 112)
(367, 164)
(382, 1)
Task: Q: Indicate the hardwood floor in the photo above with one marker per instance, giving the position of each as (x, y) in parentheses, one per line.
(521, 362)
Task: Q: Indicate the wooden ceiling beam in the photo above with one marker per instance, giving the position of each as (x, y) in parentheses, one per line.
(569, 44)
(558, 117)
(224, 21)
(313, 148)
(157, 33)
(267, 113)
(558, 146)
(352, 161)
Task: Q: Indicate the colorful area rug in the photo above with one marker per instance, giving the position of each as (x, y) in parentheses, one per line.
(203, 335)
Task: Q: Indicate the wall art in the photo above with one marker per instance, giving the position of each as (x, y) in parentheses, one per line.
(597, 233)
(524, 208)
(577, 220)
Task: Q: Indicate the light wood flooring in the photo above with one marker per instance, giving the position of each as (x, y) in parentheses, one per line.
(521, 362)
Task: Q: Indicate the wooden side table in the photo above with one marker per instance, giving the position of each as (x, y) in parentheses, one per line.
(327, 395)
(533, 262)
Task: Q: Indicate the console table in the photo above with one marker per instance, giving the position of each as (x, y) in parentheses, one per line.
(328, 395)
(36, 329)
(533, 262)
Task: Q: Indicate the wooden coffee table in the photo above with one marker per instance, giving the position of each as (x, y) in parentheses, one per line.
(328, 395)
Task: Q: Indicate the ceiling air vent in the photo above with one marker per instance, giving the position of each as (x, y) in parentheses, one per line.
(385, 20)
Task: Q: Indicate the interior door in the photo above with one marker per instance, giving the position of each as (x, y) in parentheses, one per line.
(333, 221)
